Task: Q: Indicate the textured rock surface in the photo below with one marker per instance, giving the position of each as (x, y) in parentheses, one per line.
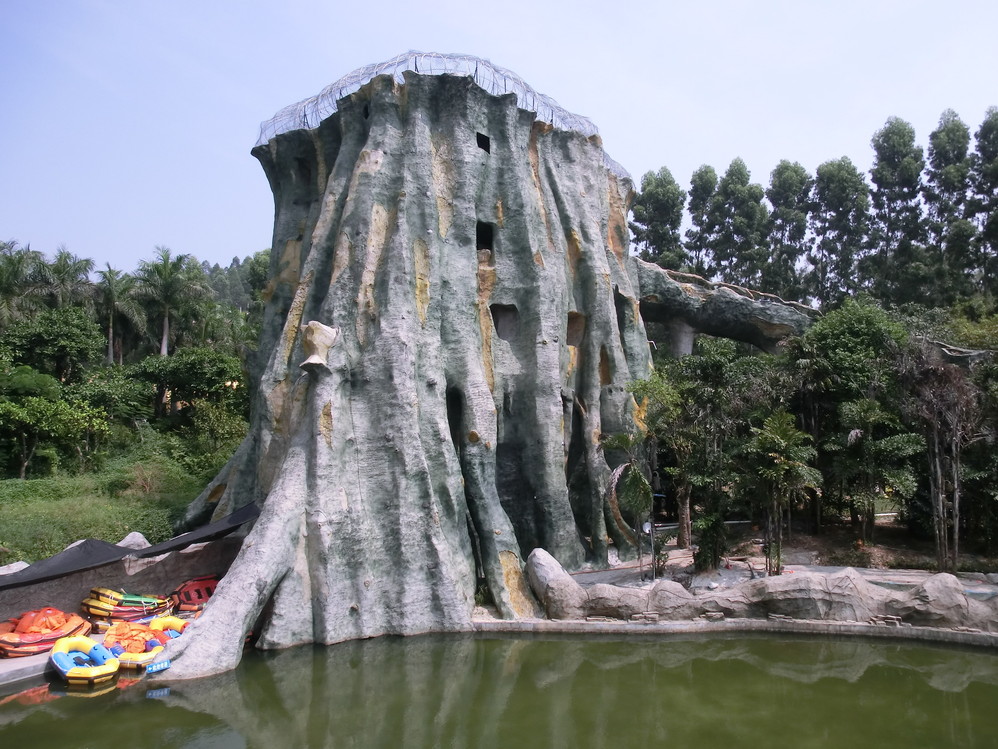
(941, 602)
(842, 596)
(691, 304)
(474, 263)
(561, 596)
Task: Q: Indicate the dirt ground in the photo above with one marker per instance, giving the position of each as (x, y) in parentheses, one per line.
(892, 547)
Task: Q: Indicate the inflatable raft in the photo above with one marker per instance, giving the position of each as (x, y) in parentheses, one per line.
(83, 662)
(37, 631)
(108, 605)
(134, 645)
(192, 595)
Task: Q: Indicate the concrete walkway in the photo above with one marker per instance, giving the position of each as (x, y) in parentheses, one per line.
(13, 670)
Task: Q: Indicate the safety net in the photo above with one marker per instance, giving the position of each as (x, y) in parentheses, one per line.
(496, 80)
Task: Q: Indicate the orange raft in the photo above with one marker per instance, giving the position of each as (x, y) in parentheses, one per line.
(37, 631)
(134, 645)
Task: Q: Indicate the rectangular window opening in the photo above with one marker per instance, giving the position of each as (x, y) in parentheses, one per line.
(484, 142)
(483, 236)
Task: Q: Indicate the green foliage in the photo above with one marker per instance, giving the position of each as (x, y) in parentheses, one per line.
(20, 282)
(983, 206)
(738, 220)
(65, 280)
(703, 185)
(196, 373)
(777, 460)
(205, 438)
(712, 542)
(871, 457)
(117, 392)
(898, 267)
(172, 285)
(789, 194)
(658, 214)
(777, 474)
(981, 333)
(29, 422)
(60, 341)
(840, 221)
(118, 306)
(851, 350)
(634, 493)
(22, 381)
(40, 517)
(947, 186)
(35, 419)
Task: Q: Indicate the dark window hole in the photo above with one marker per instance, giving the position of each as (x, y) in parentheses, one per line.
(455, 416)
(367, 111)
(483, 236)
(506, 318)
(484, 142)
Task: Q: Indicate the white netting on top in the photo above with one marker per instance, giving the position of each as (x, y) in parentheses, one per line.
(310, 112)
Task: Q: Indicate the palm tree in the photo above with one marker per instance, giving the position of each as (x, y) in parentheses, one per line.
(779, 473)
(171, 284)
(67, 279)
(19, 281)
(116, 298)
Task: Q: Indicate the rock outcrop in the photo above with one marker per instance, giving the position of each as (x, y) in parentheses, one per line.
(844, 596)
(473, 261)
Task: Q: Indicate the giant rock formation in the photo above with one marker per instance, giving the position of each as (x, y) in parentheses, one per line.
(452, 323)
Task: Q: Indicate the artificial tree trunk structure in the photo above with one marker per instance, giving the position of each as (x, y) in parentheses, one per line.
(452, 324)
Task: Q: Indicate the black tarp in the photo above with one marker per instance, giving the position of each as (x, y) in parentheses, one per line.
(209, 532)
(91, 553)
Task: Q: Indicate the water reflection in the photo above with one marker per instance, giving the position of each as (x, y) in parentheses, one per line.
(468, 692)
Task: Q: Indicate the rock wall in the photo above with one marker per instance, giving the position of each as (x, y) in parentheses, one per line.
(844, 596)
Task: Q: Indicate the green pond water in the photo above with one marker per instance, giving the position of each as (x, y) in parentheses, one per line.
(463, 691)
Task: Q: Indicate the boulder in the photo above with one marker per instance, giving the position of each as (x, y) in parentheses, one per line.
(844, 596)
(672, 601)
(942, 602)
(560, 595)
(616, 601)
(134, 540)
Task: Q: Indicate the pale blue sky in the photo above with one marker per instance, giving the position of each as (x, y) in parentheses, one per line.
(127, 124)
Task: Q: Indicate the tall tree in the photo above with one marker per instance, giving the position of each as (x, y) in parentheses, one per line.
(20, 284)
(778, 475)
(117, 301)
(943, 402)
(737, 218)
(170, 284)
(658, 213)
(66, 280)
(789, 194)
(703, 185)
(871, 457)
(984, 204)
(840, 222)
(897, 268)
(947, 188)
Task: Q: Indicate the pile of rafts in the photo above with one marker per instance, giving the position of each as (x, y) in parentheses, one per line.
(106, 606)
(37, 631)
